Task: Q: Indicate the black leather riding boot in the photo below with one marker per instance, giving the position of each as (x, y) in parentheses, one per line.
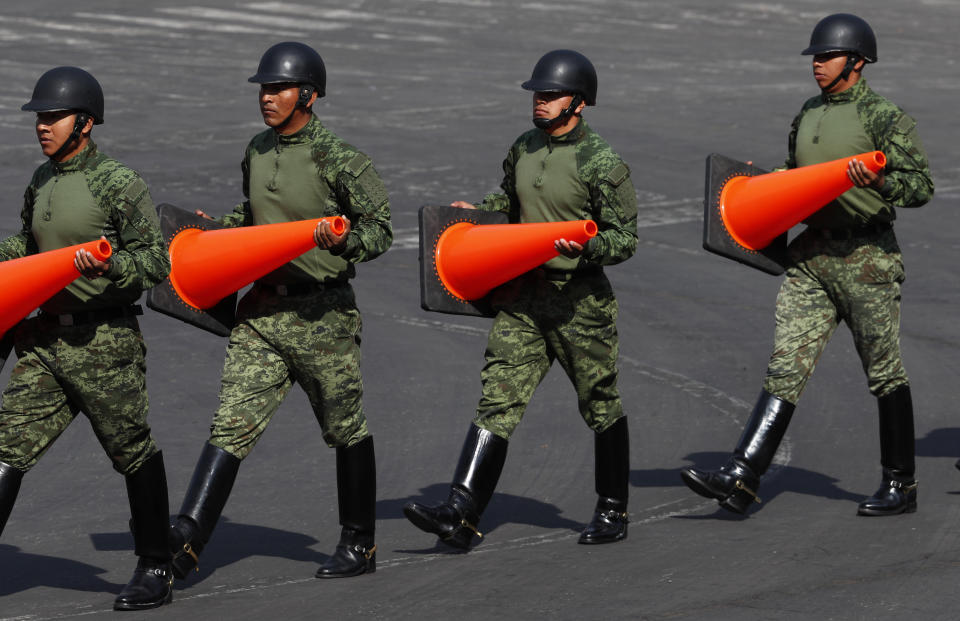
(206, 496)
(455, 521)
(612, 475)
(898, 489)
(357, 495)
(735, 484)
(152, 582)
(10, 479)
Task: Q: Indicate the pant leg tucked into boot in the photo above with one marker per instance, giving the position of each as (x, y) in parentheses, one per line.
(206, 496)
(356, 553)
(455, 521)
(152, 582)
(612, 478)
(735, 484)
(898, 489)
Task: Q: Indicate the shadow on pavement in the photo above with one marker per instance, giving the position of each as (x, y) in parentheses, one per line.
(232, 542)
(20, 571)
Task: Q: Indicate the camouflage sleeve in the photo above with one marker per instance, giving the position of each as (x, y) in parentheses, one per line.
(506, 201)
(907, 180)
(21, 244)
(614, 209)
(363, 199)
(140, 258)
(241, 214)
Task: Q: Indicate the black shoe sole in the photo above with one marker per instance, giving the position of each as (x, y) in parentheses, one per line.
(421, 521)
(591, 541)
(912, 508)
(367, 568)
(144, 606)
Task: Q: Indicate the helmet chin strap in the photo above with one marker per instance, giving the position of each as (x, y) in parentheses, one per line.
(845, 74)
(565, 114)
(303, 99)
(78, 124)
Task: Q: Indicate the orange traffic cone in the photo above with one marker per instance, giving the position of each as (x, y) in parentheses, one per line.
(473, 259)
(207, 266)
(753, 209)
(30, 281)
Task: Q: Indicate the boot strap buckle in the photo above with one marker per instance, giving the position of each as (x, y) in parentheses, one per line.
(196, 559)
(740, 486)
(906, 487)
(468, 525)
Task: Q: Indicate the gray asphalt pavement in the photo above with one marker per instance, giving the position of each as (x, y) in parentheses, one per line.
(430, 90)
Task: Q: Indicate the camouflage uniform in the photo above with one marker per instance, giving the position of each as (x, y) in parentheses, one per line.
(565, 310)
(96, 365)
(846, 265)
(300, 323)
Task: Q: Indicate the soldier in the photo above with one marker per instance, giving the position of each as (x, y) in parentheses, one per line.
(84, 351)
(299, 323)
(846, 266)
(561, 170)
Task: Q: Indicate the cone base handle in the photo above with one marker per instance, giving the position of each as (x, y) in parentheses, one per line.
(716, 238)
(218, 319)
(434, 220)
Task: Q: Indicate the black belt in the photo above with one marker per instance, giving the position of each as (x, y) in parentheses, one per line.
(567, 275)
(303, 288)
(866, 230)
(93, 316)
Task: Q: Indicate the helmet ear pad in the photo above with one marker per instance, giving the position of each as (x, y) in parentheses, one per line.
(306, 92)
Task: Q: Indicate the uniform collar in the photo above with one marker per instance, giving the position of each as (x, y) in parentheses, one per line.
(304, 135)
(572, 136)
(851, 94)
(80, 161)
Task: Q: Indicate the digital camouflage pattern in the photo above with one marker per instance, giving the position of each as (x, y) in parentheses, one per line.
(571, 319)
(313, 340)
(871, 122)
(573, 322)
(98, 367)
(595, 185)
(79, 200)
(314, 174)
(94, 368)
(856, 281)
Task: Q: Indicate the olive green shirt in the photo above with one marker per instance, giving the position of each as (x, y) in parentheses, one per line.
(77, 201)
(576, 176)
(854, 121)
(313, 174)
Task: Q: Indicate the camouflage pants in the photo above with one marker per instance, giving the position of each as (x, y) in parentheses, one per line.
(313, 340)
(574, 322)
(94, 368)
(856, 281)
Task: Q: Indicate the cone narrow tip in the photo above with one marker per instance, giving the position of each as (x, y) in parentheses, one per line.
(337, 225)
(880, 159)
(590, 228)
(103, 250)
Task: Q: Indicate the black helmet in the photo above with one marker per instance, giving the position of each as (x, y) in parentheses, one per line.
(843, 32)
(564, 70)
(292, 62)
(67, 88)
